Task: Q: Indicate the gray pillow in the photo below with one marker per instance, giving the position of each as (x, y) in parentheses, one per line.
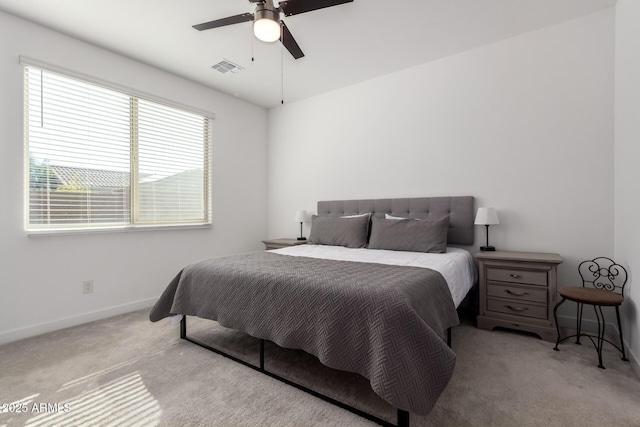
(349, 232)
(425, 235)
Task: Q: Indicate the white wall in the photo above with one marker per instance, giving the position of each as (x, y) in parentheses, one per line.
(41, 277)
(525, 125)
(627, 154)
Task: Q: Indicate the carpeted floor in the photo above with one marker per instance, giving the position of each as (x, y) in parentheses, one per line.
(127, 371)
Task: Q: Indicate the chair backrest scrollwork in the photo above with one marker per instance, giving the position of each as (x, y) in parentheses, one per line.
(603, 273)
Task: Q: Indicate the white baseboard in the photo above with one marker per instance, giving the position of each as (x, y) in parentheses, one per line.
(41, 328)
(611, 331)
(588, 325)
(591, 326)
(633, 361)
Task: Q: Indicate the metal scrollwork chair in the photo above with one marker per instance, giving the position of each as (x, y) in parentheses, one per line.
(602, 286)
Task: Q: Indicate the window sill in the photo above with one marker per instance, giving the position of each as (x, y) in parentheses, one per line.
(119, 229)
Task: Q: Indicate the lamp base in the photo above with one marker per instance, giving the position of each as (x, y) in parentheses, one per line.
(487, 248)
(302, 238)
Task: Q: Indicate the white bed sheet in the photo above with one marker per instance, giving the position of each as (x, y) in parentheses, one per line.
(456, 265)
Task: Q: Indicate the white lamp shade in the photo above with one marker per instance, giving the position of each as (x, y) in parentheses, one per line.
(301, 216)
(487, 216)
(266, 30)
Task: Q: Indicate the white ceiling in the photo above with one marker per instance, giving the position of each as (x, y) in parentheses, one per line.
(343, 45)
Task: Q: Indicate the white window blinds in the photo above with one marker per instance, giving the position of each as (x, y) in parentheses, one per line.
(102, 158)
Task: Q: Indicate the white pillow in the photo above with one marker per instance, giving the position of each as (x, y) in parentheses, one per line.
(387, 216)
(356, 216)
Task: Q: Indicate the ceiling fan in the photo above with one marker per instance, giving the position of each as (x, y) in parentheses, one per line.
(267, 25)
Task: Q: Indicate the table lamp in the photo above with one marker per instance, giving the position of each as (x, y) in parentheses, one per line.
(487, 217)
(301, 216)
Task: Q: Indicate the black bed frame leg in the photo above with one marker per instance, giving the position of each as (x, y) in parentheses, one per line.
(403, 418)
(183, 327)
(262, 355)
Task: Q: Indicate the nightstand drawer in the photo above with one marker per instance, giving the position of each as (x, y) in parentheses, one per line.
(516, 293)
(517, 308)
(517, 276)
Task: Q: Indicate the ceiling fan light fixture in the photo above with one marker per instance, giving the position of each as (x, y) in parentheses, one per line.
(266, 26)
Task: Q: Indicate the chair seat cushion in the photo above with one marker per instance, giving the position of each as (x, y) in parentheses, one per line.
(591, 296)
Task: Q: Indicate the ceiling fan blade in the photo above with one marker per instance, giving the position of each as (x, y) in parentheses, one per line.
(236, 19)
(294, 7)
(290, 43)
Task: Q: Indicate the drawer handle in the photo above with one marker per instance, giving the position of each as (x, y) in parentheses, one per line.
(515, 276)
(516, 308)
(509, 291)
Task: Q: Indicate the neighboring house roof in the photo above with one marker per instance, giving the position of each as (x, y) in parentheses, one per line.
(90, 178)
(99, 178)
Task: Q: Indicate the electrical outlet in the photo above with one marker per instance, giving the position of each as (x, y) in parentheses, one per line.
(87, 287)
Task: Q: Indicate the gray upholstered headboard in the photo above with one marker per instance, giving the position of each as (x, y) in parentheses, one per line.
(459, 208)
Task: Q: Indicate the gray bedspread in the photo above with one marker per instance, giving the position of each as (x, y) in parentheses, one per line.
(381, 321)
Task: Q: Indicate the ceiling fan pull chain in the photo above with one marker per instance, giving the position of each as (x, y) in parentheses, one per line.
(252, 47)
(281, 74)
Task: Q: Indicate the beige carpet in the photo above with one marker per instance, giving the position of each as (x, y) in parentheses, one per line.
(127, 371)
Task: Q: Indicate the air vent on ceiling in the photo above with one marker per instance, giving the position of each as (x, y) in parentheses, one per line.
(227, 67)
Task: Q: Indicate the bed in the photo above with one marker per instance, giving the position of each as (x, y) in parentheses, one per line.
(374, 292)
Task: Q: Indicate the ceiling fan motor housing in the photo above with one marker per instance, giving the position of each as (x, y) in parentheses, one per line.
(267, 10)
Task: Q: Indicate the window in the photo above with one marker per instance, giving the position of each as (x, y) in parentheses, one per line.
(100, 158)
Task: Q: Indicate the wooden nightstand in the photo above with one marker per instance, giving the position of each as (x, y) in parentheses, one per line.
(518, 291)
(281, 243)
